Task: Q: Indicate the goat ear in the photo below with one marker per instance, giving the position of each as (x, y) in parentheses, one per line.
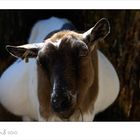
(98, 32)
(24, 51)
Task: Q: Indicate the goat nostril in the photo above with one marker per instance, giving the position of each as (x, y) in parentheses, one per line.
(54, 101)
(65, 104)
(61, 104)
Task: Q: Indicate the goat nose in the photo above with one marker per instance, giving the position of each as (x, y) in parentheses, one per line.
(61, 103)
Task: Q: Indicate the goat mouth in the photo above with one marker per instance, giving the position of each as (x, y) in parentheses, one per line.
(65, 115)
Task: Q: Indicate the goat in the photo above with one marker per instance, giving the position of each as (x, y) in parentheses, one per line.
(66, 78)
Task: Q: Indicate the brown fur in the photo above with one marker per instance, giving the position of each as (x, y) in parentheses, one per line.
(88, 86)
(44, 90)
(87, 83)
(63, 34)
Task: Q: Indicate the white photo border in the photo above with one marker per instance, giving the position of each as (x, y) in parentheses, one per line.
(71, 130)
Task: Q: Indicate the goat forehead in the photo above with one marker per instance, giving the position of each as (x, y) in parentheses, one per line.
(59, 47)
(62, 36)
(64, 46)
(57, 43)
(64, 43)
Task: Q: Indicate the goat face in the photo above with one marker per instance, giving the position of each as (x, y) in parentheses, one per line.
(61, 58)
(66, 58)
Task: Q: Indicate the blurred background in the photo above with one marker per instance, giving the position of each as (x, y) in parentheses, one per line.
(122, 47)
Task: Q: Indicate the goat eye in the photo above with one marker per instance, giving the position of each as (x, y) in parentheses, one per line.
(44, 61)
(82, 48)
(83, 51)
(45, 64)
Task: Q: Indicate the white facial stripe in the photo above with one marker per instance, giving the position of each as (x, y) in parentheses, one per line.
(54, 87)
(57, 43)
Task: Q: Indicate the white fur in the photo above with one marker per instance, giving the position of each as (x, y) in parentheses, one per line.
(18, 88)
(18, 84)
(108, 84)
(57, 43)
